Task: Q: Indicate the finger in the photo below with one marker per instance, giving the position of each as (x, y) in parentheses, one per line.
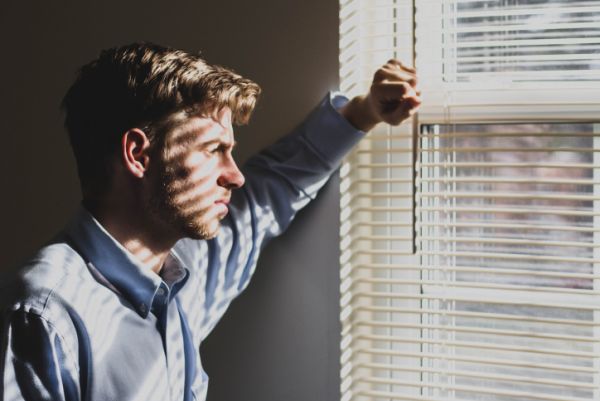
(399, 64)
(400, 114)
(395, 61)
(408, 108)
(384, 74)
(394, 111)
(404, 75)
(393, 90)
(414, 101)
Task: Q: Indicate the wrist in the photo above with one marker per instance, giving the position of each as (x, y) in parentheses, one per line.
(359, 112)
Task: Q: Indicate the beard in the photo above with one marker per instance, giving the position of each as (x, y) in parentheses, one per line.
(189, 218)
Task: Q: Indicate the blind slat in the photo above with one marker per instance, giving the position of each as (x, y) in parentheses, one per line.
(512, 241)
(477, 374)
(524, 27)
(498, 180)
(477, 330)
(473, 345)
(482, 315)
(479, 195)
(488, 361)
(502, 210)
(509, 165)
(479, 150)
(493, 255)
(479, 285)
(483, 270)
(514, 226)
(482, 390)
(500, 301)
(506, 11)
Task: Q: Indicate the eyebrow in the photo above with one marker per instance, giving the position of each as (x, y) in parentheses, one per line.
(214, 141)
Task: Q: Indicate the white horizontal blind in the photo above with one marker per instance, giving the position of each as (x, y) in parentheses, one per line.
(372, 32)
(501, 59)
(508, 240)
(507, 40)
(501, 300)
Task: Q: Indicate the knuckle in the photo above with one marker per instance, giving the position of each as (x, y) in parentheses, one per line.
(379, 75)
(404, 88)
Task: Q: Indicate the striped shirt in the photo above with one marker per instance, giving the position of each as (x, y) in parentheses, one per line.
(86, 321)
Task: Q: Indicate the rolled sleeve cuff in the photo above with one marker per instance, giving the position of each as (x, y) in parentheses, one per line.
(329, 133)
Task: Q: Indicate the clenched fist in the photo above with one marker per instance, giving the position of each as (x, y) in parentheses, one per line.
(392, 98)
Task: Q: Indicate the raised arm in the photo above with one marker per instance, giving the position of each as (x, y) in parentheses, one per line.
(283, 178)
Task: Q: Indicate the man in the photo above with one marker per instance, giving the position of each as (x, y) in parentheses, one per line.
(116, 307)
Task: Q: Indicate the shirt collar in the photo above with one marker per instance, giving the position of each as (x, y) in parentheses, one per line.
(115, 267)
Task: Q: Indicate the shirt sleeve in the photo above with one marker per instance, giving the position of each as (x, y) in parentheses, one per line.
(280, 181)
(35, 365)
(284, 177)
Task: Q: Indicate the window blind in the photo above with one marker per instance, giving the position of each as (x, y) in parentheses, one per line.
(500, 301)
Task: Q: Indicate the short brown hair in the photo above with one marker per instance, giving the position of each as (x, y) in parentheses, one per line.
(138, 86)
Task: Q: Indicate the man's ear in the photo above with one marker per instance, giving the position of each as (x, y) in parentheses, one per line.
(135, 147)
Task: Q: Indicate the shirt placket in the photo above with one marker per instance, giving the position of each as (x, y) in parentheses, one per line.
(169, 326)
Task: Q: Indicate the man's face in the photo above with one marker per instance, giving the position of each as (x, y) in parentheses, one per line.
(194, 174)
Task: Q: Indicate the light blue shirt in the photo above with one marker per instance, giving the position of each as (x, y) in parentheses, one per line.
(85, 321)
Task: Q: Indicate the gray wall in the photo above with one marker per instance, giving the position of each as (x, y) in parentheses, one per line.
(279, 340)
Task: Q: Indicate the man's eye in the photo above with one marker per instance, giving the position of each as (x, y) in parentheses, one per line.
(216, 149)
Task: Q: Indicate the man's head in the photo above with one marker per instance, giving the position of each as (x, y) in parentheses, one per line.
(149, 113)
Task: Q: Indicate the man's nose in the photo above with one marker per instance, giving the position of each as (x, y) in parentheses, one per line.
(231, 177)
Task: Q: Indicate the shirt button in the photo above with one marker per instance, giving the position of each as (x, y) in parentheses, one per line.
(160, 292)
(143, 308)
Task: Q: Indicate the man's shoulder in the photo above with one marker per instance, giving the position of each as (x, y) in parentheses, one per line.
(53, 271)
(47, 291)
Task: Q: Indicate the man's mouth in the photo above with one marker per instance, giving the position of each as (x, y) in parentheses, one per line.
(223, 206)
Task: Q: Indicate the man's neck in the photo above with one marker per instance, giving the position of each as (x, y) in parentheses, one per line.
(134, 232)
